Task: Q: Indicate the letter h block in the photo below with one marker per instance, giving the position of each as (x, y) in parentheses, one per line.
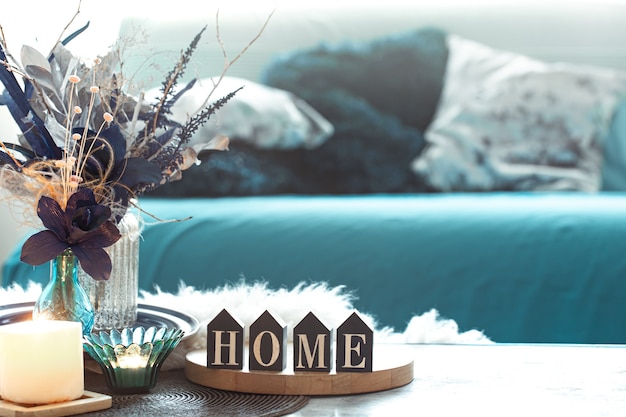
(311, 345)
(225, 342)
(355, 342)
(268, 343)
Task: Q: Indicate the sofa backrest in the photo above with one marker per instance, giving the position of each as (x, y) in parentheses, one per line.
(590, 32)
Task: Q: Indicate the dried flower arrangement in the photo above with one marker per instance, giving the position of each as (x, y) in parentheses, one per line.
(88, 148)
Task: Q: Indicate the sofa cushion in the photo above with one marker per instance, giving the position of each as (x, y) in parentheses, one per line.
(262, 116)
(399, 74)
(509, 122)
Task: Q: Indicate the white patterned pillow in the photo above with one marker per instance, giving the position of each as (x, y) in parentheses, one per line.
(511, 123)
(262, 116)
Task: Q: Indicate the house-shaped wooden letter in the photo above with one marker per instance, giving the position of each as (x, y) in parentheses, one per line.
(225, 342)
(268, 343)
(311, 345)
(355, 342)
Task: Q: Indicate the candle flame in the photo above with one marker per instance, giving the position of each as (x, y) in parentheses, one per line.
(133, 356)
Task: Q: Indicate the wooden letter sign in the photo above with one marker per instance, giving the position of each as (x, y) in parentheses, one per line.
(355, 342)
(311, 345)
(225, 342)
(268, 343)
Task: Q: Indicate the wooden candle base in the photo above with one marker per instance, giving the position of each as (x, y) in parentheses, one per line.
(391, 369)
(90, 401)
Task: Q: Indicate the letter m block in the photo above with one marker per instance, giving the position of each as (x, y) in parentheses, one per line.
(225, 342)
(311, 345)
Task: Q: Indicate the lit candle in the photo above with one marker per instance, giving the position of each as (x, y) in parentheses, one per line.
(133, 357)
(134, 374)
(41, 362)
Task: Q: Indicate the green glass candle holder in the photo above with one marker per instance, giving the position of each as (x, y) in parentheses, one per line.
(132, 357)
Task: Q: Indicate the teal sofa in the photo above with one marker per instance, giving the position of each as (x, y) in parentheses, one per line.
(522, 267)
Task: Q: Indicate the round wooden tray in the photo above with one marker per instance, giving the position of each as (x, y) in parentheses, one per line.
(391, 368)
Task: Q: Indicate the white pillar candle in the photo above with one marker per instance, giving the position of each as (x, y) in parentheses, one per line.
(41, 362)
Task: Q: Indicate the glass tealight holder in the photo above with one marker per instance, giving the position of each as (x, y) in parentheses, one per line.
(131, 358)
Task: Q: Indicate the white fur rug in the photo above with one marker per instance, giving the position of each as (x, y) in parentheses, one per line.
(247, 301)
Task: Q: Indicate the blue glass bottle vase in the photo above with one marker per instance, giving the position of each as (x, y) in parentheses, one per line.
(63, 298)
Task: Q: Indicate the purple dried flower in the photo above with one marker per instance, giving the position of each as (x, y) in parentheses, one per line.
(83, 226)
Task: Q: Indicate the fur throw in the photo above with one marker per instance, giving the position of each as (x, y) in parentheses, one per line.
(247, 301)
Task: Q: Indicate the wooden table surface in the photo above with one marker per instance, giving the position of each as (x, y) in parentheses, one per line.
(497, 380)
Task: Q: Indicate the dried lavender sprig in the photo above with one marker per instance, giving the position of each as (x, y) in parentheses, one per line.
(202, 117)
(171, 80)
(178, 71)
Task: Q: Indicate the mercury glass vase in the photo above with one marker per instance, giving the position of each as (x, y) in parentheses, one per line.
(63, 298)
(115, 300)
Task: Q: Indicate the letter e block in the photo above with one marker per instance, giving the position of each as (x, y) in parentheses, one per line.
(311, 345)
(225, 342)
(355, 342)
(268, 343)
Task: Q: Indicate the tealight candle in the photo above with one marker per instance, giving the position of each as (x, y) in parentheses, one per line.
(131, 358)
(41, 362)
